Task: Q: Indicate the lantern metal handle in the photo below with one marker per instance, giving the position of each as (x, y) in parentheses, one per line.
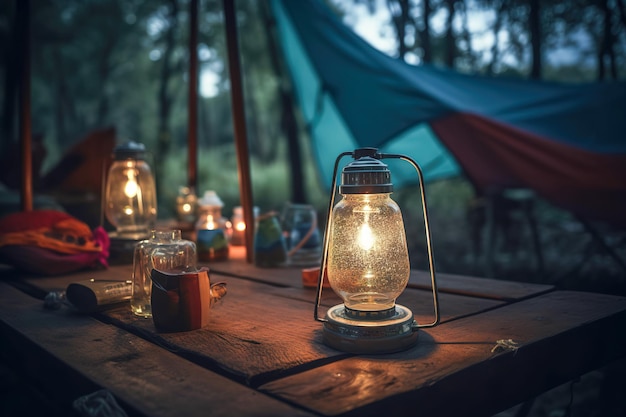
(431, 262)
(325, 243)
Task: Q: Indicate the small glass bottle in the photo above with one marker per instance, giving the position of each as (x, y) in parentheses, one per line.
(211, 229)
(269, 242)
(164, 251)
(238, 226)
(302, 235)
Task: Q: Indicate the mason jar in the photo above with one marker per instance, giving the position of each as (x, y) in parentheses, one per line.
(165, 250)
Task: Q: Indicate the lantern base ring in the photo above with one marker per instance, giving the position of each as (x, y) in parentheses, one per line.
(376, 315)
(355, 335)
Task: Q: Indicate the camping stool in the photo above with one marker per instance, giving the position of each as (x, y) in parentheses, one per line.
(498, 204)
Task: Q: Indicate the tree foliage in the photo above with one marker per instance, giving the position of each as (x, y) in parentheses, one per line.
(523, 34)
(124, 63)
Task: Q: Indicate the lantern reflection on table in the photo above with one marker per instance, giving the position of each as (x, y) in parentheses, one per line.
(367, 261)
(130, 197)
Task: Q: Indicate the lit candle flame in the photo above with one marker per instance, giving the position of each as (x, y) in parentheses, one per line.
(131, 187)
(211, 224)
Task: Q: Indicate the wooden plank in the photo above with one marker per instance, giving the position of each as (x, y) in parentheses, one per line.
(420, 302)
(478, 286)
(260, 321)
(45, 284)
(236, 266)
(560, 335)
(73, 355)
(292, 277)
(447, 283)
(263, 333)
(253, 335)
(257, 320)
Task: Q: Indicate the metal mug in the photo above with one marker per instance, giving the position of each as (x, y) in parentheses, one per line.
(181, 300)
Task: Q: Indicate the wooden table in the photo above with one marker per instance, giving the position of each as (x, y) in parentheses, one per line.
(262, 352)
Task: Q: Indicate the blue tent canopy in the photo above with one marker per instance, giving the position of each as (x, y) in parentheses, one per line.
(565, 141)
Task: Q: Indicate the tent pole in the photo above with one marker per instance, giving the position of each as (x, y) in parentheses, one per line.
(26, 190)
(239, 122)
(192, 104)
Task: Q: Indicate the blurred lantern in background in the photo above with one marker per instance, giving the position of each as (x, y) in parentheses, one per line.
(186, 204)
(367, 260)
(130, 197)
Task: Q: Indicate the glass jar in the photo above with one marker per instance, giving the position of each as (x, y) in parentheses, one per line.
(130, 199)
(302, 236)
(166, 251)
(368, 261)
(269, 242)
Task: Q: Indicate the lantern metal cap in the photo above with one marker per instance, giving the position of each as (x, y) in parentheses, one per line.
(366, 174)
(129, 150)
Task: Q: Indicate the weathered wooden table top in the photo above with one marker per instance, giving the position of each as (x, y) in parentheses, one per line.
(262, 352)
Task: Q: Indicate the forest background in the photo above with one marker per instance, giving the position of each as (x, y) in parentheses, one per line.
(124, 64)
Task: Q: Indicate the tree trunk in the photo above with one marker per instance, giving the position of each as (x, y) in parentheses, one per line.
(467, 37)
(288, 123)
(10, 82)
(104, 72)
(60, 97)
(164, 98)
(607, 50)
(424, 33)
(400, 22)
(534, 21)
(450, 38)
(622, 13)
(258, 144)
(495, 49)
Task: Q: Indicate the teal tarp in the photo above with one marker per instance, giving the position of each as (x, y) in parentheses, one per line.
(565, 141)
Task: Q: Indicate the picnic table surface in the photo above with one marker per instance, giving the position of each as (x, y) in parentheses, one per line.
(499, 343)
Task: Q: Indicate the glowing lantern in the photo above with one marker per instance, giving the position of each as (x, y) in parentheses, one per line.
(367, 260)
(130, 197)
